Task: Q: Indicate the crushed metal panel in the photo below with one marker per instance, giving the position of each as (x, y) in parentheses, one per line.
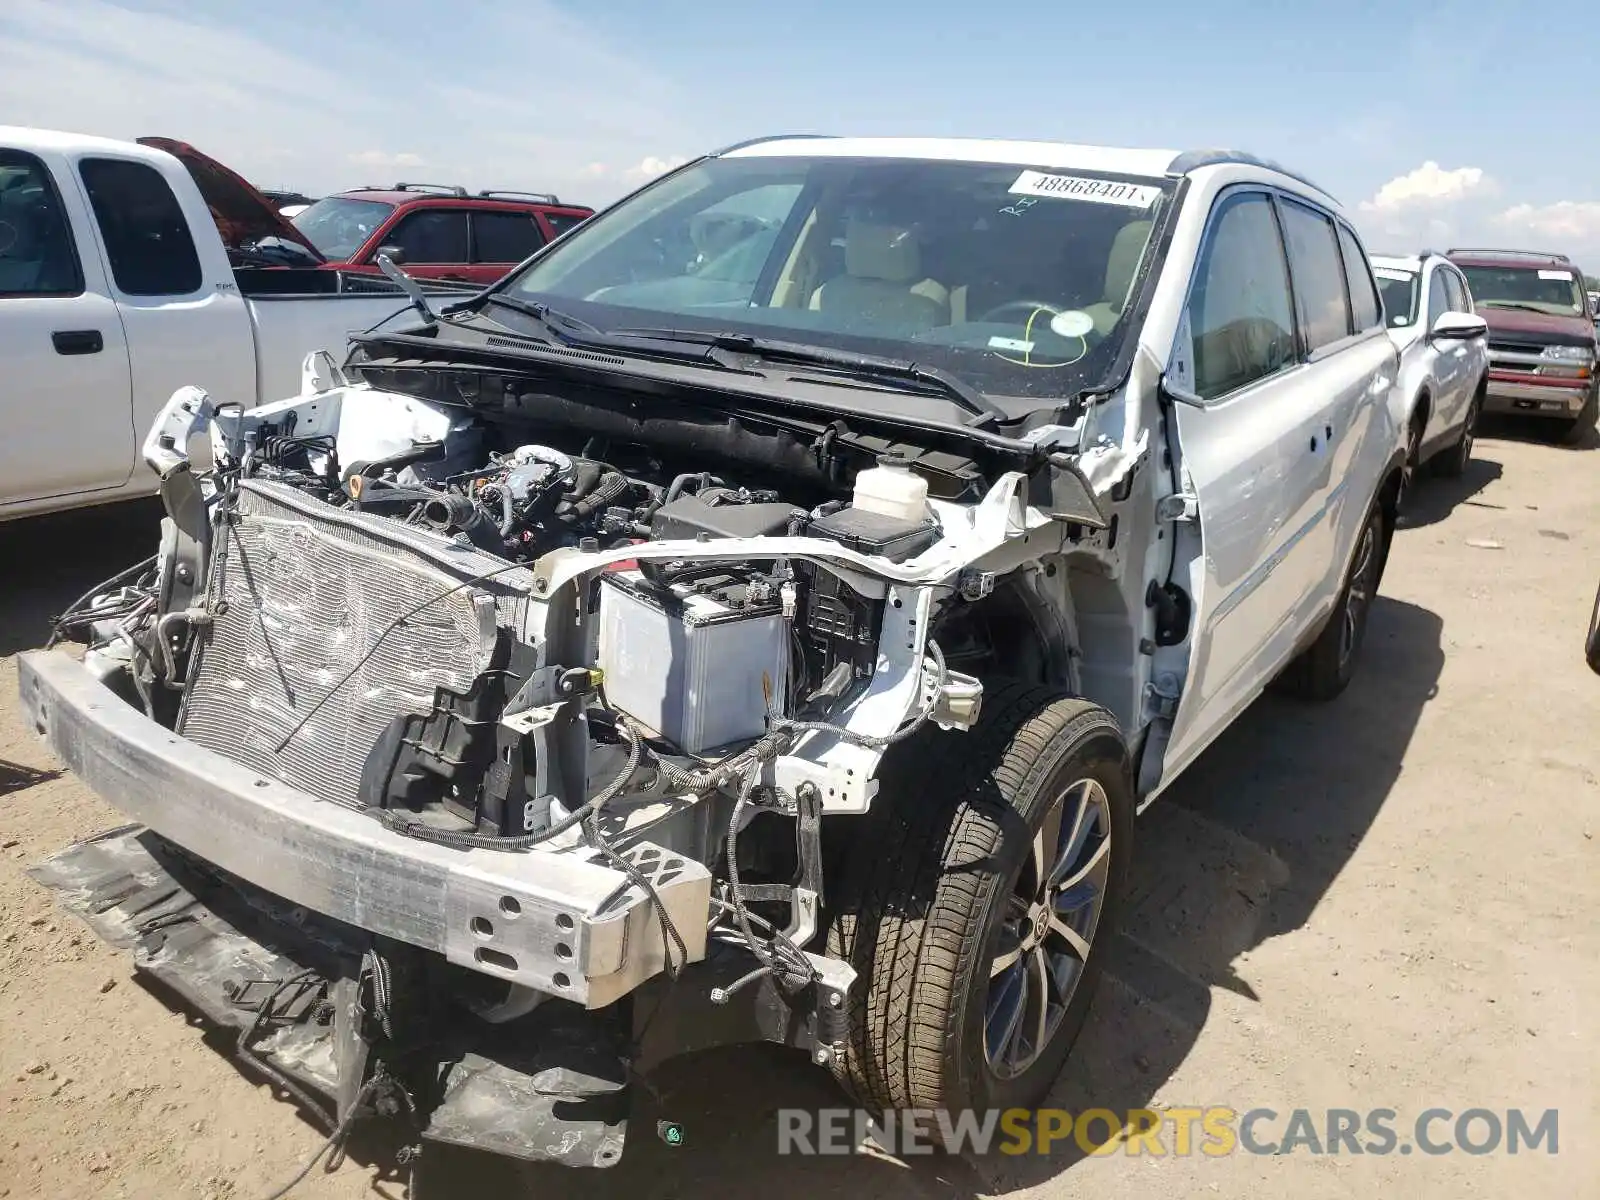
(208, 943)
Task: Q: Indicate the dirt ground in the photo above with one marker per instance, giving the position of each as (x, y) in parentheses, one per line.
(1388, 902)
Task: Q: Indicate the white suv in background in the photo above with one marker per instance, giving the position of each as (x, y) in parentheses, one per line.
(1444, 359)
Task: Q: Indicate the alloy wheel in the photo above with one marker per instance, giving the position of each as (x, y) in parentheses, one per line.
(1358, 594)
(1048, 928)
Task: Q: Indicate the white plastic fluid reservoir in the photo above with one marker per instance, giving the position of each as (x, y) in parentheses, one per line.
(892, 489)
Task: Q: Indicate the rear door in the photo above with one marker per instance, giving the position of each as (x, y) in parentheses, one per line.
(500, 240)
(184, 318)
(1461, 359)
(557, 223)
(65, 386)
(1266, 341)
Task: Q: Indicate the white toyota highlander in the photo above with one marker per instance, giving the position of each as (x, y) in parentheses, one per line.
(758, 617)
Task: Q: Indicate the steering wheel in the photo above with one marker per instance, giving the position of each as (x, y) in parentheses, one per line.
(1028, 307)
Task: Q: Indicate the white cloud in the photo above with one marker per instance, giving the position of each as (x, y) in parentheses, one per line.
(380, 158)
(284, 116)
(1429, 186)
(1563, 221)
(650, 166)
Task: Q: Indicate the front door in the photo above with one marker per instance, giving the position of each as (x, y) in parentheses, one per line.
(1257, 455)
(433, 243)
(65, 386)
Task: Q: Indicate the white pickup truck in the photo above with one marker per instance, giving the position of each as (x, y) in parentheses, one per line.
(120, 282)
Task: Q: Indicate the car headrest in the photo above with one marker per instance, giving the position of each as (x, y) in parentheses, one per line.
(886, 252)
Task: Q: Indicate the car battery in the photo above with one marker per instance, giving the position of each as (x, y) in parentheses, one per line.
(693, 660)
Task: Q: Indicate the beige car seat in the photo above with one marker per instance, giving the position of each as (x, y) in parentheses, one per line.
(1127, 248)
(883, 280)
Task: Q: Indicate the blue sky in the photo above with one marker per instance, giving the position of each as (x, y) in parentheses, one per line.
(1402, 109)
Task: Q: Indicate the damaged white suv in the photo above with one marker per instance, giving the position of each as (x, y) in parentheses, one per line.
(758, 617)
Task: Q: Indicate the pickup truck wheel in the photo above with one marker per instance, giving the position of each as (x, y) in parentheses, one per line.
(1325, 667)
(1452, 463)
(1575, 430)
(979, 905)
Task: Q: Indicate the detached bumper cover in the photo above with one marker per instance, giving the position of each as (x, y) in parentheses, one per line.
(547, 920)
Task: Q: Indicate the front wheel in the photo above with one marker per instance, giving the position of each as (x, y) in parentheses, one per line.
(1575, 430)
(1452, 463)
(981, 902)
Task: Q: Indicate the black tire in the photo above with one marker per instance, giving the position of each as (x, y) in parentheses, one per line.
(1452, 463)
(1591, 643)
(1324, 668)
(1575, 430)
(1413, 462)
(930, 905)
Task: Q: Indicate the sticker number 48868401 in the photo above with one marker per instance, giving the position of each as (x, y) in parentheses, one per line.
(1075, 187)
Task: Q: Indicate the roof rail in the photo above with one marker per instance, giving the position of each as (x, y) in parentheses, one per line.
(541, 197)
(771, 137)
(1193, 160)
(450, 189)
(1534, 254)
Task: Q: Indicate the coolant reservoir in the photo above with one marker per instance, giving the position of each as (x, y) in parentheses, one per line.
(892, 489)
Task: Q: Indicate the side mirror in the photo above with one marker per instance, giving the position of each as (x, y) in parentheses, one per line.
(1178, 394)
(1458, 326)
(394, 254)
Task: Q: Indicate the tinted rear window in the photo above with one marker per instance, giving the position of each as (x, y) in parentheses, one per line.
(561, 222)
(1363, 299)
(147, 239)
(1318, 275)
(504, 237)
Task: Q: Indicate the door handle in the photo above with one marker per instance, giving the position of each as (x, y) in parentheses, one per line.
(78, 341)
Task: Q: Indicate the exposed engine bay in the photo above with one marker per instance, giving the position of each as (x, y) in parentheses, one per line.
(560, 716)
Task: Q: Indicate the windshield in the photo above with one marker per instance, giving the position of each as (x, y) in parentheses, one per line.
(1399, 290)
(338, 226)
(1013, 279)
(1553, 291)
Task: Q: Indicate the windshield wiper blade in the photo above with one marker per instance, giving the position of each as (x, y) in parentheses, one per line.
(553, 319)
(867, 366)
(1533, 308)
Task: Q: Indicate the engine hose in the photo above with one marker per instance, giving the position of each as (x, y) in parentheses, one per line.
(402, 824)
(508, 512)
(585, 475)
(376, 493)
(612, 486)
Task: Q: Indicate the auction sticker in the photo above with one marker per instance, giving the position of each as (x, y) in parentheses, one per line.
(1075, 187)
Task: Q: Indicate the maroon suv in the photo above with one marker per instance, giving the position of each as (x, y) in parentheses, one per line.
(436, 232)
(1541, 335)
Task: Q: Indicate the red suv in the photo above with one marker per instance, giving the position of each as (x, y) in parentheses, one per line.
(1542, 343)
(436, 232)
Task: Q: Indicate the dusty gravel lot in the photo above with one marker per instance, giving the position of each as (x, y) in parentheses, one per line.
(1388, 902)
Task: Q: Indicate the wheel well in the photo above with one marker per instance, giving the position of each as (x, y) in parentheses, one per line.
(1423, 409)
(1014, 632)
